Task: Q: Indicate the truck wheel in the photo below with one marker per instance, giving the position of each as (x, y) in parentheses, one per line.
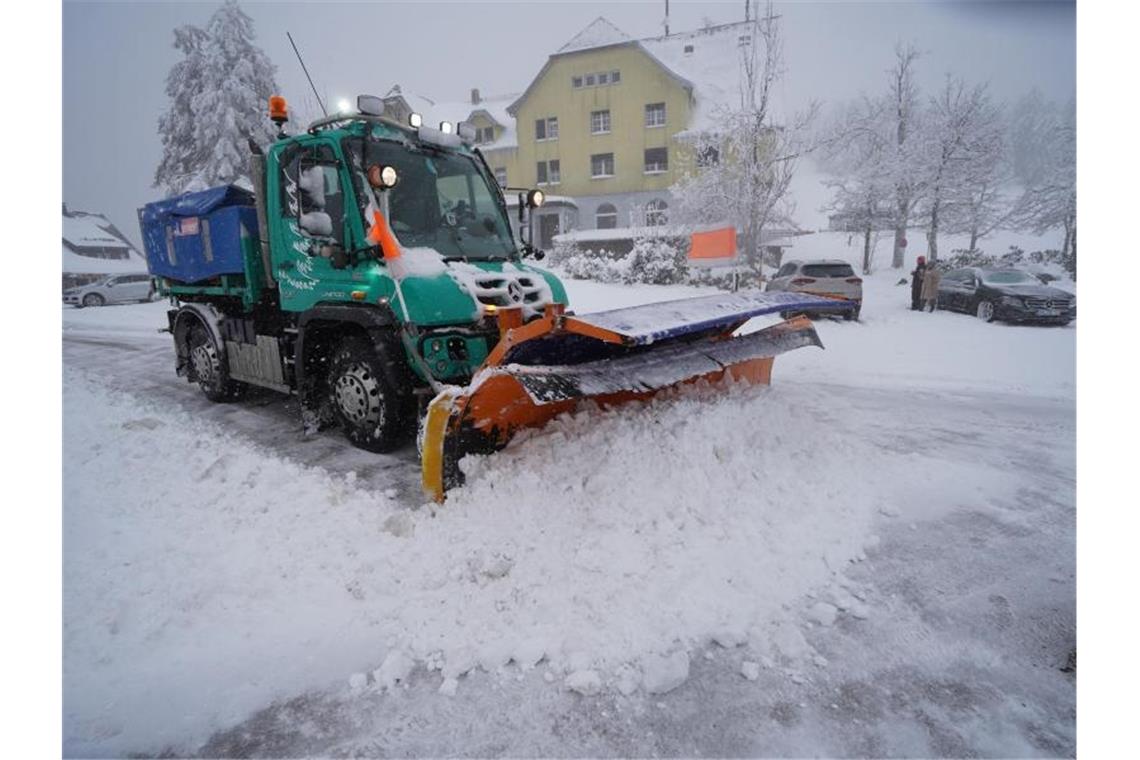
(206, 368)
(374, 414)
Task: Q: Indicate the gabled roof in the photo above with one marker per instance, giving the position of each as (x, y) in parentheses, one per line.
(599, 33)
(706, 62)
(84, 231)
(495, 108)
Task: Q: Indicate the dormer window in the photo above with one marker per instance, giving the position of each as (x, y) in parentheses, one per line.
(688, 49)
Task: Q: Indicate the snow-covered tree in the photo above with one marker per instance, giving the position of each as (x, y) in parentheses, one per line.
(855, 148)
(182, 157)
(1049, 200)
(744, 165)
(961, 141)
(219, 93)
(903, 116)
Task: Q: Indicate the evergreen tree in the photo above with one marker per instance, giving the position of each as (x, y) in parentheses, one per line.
(219, 93)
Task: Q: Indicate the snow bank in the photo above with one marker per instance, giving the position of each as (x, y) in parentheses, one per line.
(204, 577)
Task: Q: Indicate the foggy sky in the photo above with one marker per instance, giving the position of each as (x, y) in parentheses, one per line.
(116, 57)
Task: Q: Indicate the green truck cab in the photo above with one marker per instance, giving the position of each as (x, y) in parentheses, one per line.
(309, 302)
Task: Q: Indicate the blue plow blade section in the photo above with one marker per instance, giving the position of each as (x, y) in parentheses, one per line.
(686, 319)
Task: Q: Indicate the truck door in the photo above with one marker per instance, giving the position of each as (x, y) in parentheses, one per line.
(313, 206)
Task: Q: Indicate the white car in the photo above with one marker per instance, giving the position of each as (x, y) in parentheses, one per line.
(118, 288)
(824, 277)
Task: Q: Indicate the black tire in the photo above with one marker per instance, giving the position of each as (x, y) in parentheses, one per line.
(209, 371)
(853, 315)
(94, 299)
(375, 414)
(985, 311)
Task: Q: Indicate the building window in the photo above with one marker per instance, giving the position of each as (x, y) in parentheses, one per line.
(600, 122)
(688, 49)
(603, 78)
(575, 82)
(656, 160)
(615, 77)
(602, 165)
(589, 80)
(655, 114)
(484, 135)
(546, 129)
(708, 156)
(606, 217)
(549, 172)
(655, 215)
(501, 175)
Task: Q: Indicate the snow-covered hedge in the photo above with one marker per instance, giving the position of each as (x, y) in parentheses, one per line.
(653, 261)
(1051, 263)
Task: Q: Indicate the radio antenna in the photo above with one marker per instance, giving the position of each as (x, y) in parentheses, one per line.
(306, 70)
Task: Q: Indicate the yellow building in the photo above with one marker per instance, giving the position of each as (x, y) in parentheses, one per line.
(602, 126)
(604, 121)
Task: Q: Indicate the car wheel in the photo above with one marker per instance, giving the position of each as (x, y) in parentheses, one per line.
(853, 315)
(94, 299)
(985, 311)
(374, 414)
(207, 370)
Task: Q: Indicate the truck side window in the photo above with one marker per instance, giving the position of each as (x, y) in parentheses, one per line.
(310, 184)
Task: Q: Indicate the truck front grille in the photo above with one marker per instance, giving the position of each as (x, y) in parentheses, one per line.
(500, 290)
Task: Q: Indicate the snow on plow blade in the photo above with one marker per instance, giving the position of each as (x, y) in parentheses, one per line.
(546, 367)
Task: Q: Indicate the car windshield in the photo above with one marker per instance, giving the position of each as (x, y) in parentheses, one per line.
(443, 201)
(828, 270)
(1009, 277)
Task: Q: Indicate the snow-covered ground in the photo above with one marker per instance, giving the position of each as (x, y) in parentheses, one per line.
(874, 556)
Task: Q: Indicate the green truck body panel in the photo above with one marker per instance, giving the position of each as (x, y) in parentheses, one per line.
(304, 279)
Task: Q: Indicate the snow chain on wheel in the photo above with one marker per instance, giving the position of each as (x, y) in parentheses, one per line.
(372, 411)
(207, 370)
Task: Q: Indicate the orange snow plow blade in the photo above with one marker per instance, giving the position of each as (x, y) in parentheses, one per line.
(546, 367)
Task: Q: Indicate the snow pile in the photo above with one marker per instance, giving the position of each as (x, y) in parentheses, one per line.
(198, 586)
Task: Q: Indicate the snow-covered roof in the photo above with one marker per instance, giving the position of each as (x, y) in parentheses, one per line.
(85, 232)
(73, 263)
(712, 65)
(599, 33)
(620, 233)
(706, 62)
(494, 106)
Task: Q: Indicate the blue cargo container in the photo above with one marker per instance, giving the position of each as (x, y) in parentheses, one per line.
(197, 237)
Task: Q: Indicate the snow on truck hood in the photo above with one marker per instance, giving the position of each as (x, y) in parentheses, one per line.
(484, 283)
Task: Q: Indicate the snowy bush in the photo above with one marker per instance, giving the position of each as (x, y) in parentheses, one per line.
(657, 261)
(653, 261)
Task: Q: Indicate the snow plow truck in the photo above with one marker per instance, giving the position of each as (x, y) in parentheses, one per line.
(375, 271)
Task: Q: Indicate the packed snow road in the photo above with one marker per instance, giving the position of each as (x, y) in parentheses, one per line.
(872, 557)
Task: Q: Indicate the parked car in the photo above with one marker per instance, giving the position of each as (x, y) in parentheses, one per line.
(1009, 295)
(118, 288)
(825, 277)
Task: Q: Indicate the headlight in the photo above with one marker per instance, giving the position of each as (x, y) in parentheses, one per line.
(1013, 301)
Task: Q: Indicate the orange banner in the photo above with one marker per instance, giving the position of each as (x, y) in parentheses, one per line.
(714, 244)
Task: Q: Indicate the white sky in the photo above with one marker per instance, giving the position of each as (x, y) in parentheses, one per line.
(116, 57)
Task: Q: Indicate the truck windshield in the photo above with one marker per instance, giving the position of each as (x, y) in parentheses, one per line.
(442, 201)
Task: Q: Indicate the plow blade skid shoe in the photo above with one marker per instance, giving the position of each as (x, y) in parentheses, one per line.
(608, 358)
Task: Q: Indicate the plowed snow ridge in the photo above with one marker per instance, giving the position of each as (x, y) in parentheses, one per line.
(239, 576)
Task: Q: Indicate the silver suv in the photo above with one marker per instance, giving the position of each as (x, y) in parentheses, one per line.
(117, 288)
(824, 277)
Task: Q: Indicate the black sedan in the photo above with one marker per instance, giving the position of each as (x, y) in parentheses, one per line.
(1009, 295)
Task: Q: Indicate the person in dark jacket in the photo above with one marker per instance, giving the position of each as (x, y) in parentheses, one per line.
(916, 278)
